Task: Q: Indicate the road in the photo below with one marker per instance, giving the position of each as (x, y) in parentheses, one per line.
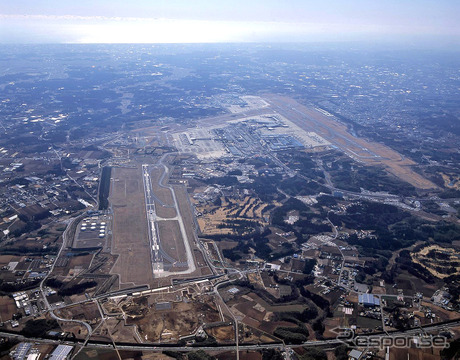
(336, 233)
(160, 347)
(42, 283)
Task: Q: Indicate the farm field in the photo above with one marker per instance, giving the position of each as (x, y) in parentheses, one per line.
(7, 308)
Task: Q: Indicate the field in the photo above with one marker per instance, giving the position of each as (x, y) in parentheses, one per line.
(130, 238)
(171, 241)
(244, 355)
(164, 203)
(7, 308)
(72, 266)
(224, 333)
(188, 217)
(88, 312)
(182, 319)
(256, 312)
(414, 353)
(225, 219)
(201, 264)
(438, 261)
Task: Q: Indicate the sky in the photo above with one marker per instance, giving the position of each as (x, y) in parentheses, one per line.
(202, 21)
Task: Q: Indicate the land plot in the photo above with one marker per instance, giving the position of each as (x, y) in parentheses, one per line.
(222, 220)
(364, 322)
(161, 192)
(89, 239)
(252, 309)
(183, 319)
(73, 265)
(92, 232)
(244, 355)
(438, 260)
(6, 259)
(201, 263)
(429, 353)
(276, 308)
(199, 258)
(7, 308)
(130, 237)
(25, 265)
(224, 333)
(165, 212)
(171, 240)
(88, 312)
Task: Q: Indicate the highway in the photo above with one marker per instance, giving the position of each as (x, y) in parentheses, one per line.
(242, 347)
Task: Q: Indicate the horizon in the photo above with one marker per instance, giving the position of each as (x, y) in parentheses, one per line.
(426, 24)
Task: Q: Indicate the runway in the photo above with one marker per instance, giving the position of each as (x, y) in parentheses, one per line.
(154, 240)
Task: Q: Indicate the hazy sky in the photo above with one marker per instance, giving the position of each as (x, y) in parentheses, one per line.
(165, 21)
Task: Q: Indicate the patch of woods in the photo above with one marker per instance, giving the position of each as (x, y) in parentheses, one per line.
(348, 175)
(37, 328)
(302, 226)
(297, 186)
(369, 216)
(104, 188)
(65, 289)
(8, 287)
(29, 250)
(267, 354)
(264, 186)
(394, 229)
(5, 347)
(258, 241)
(317, 308)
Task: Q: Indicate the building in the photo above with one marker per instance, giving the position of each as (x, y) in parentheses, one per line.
(21, 351)
(368, 300)
(355, 354)
(61, 352)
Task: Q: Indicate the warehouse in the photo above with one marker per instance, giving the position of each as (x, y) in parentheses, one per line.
(368, 300)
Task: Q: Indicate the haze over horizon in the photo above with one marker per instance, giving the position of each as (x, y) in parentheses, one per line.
(178, 21)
